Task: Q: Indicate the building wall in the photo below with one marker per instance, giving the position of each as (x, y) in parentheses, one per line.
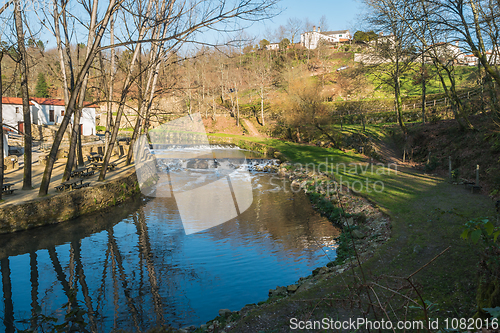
(88, 121)
(10, 117)
(311, 39)
(40, 115)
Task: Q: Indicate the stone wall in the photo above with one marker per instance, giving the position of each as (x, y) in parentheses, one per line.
(67, 205)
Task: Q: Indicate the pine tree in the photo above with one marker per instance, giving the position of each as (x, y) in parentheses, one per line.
(41, 89)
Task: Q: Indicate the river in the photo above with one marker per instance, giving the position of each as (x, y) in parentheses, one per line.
(135, 266)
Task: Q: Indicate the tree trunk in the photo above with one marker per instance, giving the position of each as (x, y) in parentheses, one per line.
(262, 104)
(126, 86)
(423, 78)
(44, 186)
(1, 129)
(237, 107)
(26, 105)
(75, 147)
(109, 113)
(447, 93)
(397, 97)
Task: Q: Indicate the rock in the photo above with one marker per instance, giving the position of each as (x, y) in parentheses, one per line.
(357, 234)
(181, 330)
(292, 288)
(306, 286)
(189, 328)
(203, 326)
(224, 312)
(248, 307)
(320, 270)
(279, 291)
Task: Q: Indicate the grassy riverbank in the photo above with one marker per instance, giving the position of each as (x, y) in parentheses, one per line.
(427, 215)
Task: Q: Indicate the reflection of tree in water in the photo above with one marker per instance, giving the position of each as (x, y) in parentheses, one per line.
(141, 277)
(102, 293)
(286, 217)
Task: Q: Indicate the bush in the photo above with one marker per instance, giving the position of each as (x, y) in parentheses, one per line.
(432, 165)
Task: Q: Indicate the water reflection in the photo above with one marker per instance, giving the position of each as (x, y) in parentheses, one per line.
(135, 268)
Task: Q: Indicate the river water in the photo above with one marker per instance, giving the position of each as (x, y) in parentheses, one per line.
(135, 267)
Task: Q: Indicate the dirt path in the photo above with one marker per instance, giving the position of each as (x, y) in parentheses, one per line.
(251, 129)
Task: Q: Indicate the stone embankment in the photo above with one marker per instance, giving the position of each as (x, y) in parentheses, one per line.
(359, 220)
(67, 205)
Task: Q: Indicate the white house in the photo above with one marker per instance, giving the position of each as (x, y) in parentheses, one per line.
(273, 46)
(44, 111)
(471, 60)
(311, 39)
(448, 51)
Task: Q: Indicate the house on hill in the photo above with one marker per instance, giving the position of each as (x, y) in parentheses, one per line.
(273, 46)
(448, 52)
(311, 39)
(45, 111)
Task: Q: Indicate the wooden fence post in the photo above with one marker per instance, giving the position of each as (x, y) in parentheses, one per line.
(477, 175)
(449, 167)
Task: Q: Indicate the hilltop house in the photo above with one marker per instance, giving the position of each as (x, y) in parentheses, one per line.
(448, 51)
(273, 46)
(45, 111)
(311, 39)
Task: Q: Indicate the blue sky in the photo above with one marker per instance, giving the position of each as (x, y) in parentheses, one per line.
(340, 15)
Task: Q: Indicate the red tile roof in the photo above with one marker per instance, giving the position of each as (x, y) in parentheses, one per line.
(13, 100)
(42, 101)
(48, 101)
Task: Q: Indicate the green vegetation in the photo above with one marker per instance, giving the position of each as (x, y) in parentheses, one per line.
(41, 89)
(465, 77)
(425, 212)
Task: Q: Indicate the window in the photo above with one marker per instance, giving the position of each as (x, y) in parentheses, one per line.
(62, 113)
(51, 116)
(17, 109)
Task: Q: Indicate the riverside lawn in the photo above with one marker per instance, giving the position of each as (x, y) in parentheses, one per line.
(427, 215)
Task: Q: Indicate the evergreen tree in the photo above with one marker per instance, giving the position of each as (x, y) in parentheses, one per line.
(41, 89)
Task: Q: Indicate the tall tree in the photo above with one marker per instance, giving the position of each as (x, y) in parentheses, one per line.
(23, 62)
(71, 104)
(394, 53)
(75, 142)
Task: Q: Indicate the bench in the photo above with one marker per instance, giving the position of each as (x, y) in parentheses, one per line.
(59, 187)
(81, 185)
(88, 173)
(11, 191)
(475, 188)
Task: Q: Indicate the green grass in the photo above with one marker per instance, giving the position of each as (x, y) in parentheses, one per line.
(427, 215)
(464, 78)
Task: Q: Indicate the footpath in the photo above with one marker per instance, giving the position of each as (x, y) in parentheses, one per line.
(20, 196)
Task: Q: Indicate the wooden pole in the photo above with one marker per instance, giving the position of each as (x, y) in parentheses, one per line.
(449, 166)
(477, 175)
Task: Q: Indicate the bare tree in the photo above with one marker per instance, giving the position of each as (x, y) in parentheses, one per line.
(393, 53)
(76, 132)
(71, 104)
(23, 60)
